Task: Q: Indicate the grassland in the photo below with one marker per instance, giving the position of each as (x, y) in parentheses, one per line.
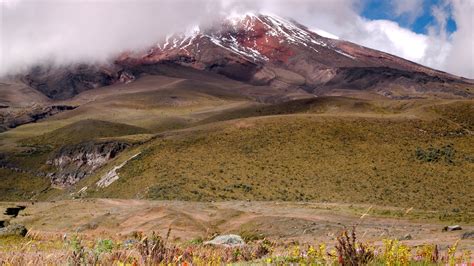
(112, 231)
(205, 138)
(157, 250)
(84, 130)
(288, 177)
(19, 186)
(306, 158)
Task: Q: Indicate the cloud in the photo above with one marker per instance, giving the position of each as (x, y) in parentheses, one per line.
(389, 37)
(89, 31)
(410, 8)
(68, 31)
(460, 58)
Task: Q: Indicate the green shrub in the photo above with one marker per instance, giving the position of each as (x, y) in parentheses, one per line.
(104, 246)
(432, 154)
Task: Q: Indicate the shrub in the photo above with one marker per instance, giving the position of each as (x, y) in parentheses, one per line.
(104, 246)
(155, 250)
(350, 251)
(436, 154)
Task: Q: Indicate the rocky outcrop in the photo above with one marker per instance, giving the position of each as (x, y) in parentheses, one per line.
(63, 83)
(112, 175)
(14, 211)
(20, 116)
(226, 241)
(468, 235)
(76, 162)
(13, 230)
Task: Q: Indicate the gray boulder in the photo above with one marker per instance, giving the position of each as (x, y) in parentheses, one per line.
(226, 241)
(4, 223)
(129, 242)
(468, 235)
(13, 230)
(452, 228)
(406, 237)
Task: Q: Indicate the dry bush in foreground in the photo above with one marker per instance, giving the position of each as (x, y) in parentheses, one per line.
(155, 250)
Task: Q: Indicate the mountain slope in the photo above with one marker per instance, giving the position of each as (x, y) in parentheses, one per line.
(265, 50)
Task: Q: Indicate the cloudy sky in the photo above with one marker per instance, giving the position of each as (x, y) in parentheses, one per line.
(436, 33)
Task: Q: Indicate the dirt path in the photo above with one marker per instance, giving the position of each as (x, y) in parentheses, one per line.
(303, 222)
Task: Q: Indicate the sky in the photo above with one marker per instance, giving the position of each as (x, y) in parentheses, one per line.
(412, 14)
(436, 33)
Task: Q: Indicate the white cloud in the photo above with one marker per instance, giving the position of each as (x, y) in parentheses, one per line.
(85, 30)
(460, 59)
(410, 8)
(389, 37)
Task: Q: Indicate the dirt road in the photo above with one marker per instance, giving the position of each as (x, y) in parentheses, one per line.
(285, 221)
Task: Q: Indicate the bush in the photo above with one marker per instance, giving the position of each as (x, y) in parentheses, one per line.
(350, 251)
(104, 246)
(436, 154)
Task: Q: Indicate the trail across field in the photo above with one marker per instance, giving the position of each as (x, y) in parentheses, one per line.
(282, 221)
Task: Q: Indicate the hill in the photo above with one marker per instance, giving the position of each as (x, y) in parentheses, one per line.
(306, 158)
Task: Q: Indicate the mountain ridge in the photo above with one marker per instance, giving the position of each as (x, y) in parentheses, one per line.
(263, 50)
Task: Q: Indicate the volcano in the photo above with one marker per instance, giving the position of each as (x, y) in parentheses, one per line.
(264, 50)
(252, 108)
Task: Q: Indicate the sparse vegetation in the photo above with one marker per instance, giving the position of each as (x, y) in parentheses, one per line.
(84, 130)
(431, 154)
(154, 250)
(351, 252)
(328, 149)
(306, 158)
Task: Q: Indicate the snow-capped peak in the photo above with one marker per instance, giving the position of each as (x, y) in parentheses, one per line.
(325, 33)
(253, 37)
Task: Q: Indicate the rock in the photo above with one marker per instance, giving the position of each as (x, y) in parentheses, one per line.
(13, 230)
(14, 211)
(4, 223)
(25, 115)
(452, 228)
(77, 161)
(112, 175)
(66, 82)
(468, 235)
(129, 242)
(406, 237)
(87, 226)
(227, 241)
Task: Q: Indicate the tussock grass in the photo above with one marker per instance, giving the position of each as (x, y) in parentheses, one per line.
(306, 158)
(155, 250)
(18, 186)
(84, 130)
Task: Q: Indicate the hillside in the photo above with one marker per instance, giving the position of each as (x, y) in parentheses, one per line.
(305, 158)
(322, 153)
(264, 110)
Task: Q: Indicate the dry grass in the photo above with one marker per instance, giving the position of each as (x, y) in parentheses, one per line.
(154, 250)
(305, 158)
(330, 149)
